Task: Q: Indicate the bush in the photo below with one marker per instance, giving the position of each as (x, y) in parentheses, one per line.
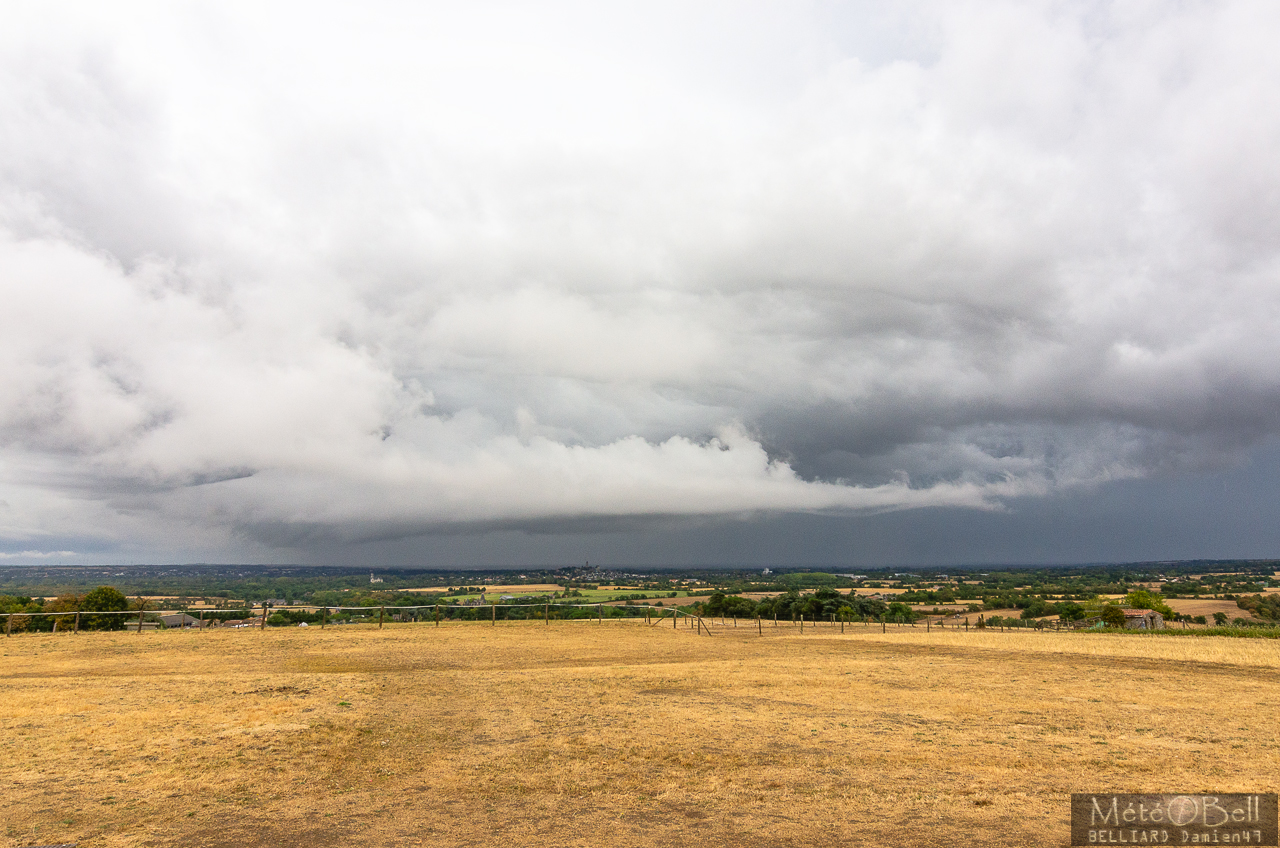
(1112, 615)
(292, 618)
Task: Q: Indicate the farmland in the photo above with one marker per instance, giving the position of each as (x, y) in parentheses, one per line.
(613, 734)
(1188, 594)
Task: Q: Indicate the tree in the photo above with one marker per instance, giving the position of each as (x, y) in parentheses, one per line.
(1220, 618)
(899, 611)
(69, 602)
(1035, 608)
(1142, 599)
(1070, 611)
(720, 604)
(104, 599)
(1112, 616)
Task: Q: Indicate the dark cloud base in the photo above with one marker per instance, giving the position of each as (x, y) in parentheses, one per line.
(1222, 515)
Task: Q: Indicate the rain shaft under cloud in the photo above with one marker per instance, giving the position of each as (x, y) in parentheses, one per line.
(277, 277)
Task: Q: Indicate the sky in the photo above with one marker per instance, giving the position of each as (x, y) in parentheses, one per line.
(653, 283)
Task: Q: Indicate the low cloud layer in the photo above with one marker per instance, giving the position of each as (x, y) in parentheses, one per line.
(276, 280)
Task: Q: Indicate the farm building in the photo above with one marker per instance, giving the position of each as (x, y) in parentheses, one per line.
(1139, 619)
(1134, 619)
(179, 619)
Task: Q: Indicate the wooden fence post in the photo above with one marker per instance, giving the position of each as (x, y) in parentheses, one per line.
(8, 625)
(494, 611)
(599, 613)
(842, 624)
(261, 626)
(546, 614)
(927, 626)
(801, 622)
(382, 611)
(882, 624)
(437, 615)
(675, 614)
(759, 627)
(76, 628)
(324, 617)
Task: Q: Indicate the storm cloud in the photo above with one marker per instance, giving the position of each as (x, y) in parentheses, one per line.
(286, 276)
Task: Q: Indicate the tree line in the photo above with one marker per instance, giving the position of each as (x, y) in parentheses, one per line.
(34, 613)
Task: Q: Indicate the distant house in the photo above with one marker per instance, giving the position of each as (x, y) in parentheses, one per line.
(373, 579)
(1139, 619)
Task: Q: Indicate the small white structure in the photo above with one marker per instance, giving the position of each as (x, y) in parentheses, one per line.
(373, 579)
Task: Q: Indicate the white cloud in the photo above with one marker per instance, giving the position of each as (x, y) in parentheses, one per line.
(272, 276)
(38, 555)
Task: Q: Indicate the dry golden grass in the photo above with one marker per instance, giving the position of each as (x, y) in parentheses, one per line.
(1207, 607)
(582, 734)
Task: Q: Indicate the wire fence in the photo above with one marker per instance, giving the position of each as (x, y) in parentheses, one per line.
(493, 613)
(325, 616)
(436, 614)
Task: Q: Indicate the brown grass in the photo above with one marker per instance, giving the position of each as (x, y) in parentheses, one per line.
(582, 734)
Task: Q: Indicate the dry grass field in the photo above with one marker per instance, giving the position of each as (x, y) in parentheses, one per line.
(1207, 607)
(614, 734)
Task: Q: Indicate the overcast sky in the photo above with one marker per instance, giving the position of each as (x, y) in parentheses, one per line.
(483, 283)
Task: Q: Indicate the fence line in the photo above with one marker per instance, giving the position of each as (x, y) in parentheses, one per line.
(473, 613)
(451, 612)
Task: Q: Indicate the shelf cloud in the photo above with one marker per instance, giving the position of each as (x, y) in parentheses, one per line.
(276, 277)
